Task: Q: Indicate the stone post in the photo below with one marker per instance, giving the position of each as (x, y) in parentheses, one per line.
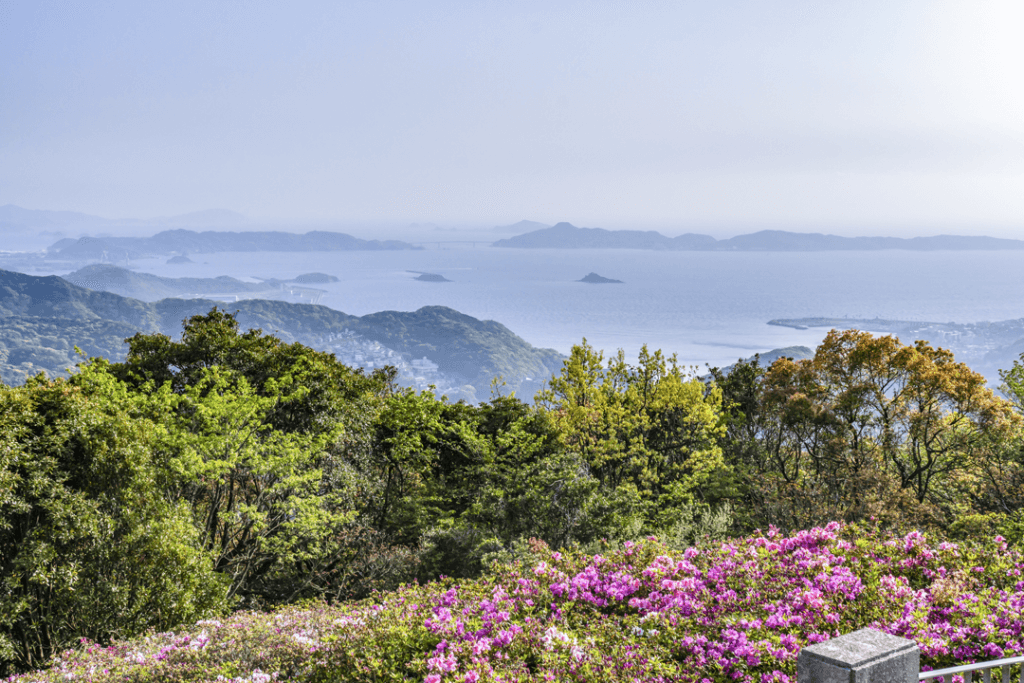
(864, 656)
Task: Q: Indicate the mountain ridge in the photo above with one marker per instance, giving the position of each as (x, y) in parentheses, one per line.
(42, 319)
(183, 241)
(105, 277)
(567, 236)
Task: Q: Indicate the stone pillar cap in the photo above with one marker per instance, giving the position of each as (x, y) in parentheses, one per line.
(854, 650)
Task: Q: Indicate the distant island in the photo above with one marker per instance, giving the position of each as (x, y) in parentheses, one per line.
(568, 236)
(314, 278)
(595, 279)
(180, 258)
(104, 277)
(17, 218)
(116, 249)
(429, 277)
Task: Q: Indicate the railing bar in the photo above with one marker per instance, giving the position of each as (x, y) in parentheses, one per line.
(925, 675)
(1006, 673)
(987, 676)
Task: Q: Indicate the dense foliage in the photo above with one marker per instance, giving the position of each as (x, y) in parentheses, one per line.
(232, 470)
(869, 427)
(733, 611)
(89, 545)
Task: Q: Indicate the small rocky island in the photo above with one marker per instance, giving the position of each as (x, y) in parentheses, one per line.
(429, 277)
(180, 258)
(314, 278)
(595, 279)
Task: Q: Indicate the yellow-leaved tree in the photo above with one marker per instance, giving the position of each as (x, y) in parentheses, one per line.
(648, 432)
(873, 427)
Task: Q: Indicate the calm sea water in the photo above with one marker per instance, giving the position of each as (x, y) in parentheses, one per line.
(706, 307)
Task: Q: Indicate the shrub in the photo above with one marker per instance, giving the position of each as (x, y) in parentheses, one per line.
(730, 611)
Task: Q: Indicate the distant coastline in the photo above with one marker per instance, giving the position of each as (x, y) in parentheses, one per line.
(568, 236)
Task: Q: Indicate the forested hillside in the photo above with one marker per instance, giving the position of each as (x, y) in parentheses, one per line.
(148, 287)
(44, 320)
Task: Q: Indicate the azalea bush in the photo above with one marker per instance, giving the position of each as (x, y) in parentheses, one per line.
(733, 611)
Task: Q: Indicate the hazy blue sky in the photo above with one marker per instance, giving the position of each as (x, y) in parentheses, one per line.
(859, 117)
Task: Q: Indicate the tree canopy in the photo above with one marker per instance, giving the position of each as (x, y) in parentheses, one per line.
(231, 468)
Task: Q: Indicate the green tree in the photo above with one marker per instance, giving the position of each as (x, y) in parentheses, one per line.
(752, 447)
(530, 485)
(458, 482)
(89, 546)
(259, 439)
(647, 432)
(1002, 496)
(331, 392)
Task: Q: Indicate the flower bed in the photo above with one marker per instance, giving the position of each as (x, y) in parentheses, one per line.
(737, 611)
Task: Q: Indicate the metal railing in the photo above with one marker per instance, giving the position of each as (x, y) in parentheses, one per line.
(967, 670)
(869, 654)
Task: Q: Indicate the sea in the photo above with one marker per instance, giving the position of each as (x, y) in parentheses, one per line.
(708, 308)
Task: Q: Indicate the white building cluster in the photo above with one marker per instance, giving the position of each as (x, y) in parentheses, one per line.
(421, 374)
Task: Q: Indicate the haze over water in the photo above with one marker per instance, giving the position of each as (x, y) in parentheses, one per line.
(707, 307)
(870, 118)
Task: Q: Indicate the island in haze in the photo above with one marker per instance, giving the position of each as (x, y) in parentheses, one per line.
(104, 277)
(568, 236)
(16, 218)
(28, 227)
(520, 227)
(429, 277)
(315, 278)
(191, 242)
(595, 279)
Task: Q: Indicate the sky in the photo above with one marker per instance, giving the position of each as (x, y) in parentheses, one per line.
(860, 117)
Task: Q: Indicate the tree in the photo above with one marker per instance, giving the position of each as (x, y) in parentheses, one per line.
(330, 391)
(88, 545)
(1003, 494)
(530, 485)
(257, 437)
(647, 433)
(757, 460)
(872, 426)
